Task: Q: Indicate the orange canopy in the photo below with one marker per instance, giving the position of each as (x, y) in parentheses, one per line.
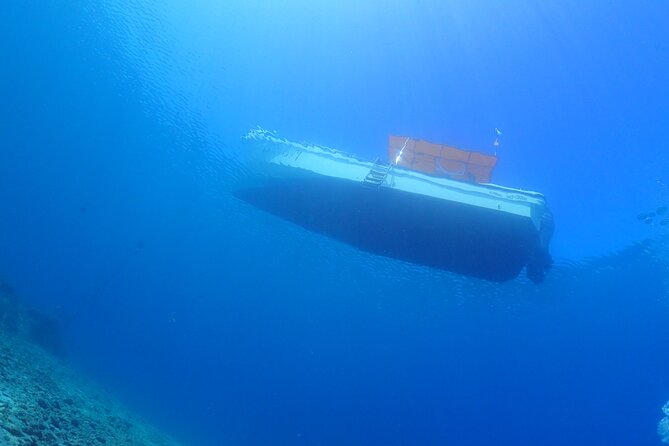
(441, 160)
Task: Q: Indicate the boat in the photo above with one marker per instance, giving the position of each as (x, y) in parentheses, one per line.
(428, 204)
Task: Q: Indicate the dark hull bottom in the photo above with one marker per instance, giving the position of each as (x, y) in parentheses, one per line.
(414, 228)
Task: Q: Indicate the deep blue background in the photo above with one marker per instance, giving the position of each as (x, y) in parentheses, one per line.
(122, 122)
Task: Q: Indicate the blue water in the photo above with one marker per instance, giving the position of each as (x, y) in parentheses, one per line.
(120, 145)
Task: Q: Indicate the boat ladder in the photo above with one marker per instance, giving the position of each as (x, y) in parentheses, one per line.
(377, 174)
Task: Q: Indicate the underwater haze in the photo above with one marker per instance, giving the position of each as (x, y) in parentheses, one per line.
(121, 147)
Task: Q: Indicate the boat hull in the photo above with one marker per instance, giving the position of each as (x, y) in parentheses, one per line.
(442, 234)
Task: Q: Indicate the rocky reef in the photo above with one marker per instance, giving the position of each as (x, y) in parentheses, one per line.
(663, 425)
(45, 402)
